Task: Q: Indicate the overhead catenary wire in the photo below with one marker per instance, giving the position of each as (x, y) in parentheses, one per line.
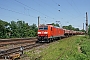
(57, 10)
(72, 6)
(16, 12)
(19, 13)
(44, 8)
(27, 9)
(76, 7)
(56, 3)
(49, 5)
(33, 9)
(77, 11)
(62, 7)
(65, 9)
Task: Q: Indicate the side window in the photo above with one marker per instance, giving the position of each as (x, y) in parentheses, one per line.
(51, 28)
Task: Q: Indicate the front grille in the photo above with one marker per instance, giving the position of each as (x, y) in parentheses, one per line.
(42, 37)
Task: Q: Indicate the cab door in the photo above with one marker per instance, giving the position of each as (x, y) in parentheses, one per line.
(51, 31)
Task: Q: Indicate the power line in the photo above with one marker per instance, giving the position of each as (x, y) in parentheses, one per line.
(76, 7)
(67, 10)
(44, 8)
(19, 13)
(33, 9)
(16, 12)
(51, 6)
(56, 3)
(72, 6)
(62, 7)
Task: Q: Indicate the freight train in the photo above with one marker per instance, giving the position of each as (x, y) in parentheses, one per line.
(48, 33)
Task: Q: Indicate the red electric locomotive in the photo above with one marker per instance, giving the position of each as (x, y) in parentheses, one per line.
(49, 32)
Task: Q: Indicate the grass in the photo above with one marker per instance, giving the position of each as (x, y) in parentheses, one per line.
(72, 48)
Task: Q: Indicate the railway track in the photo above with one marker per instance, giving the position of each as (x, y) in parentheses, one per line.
(15, 39)
(6, 53)
(10, 46)
(4, 42)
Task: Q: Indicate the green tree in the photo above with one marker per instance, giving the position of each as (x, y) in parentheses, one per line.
(69, 27)
(65, 27)
(76, 29)
(55, 24)
(31, 33)
(82, 30)
(89, 31)
(14, 31)
(4, 29)
(18, 29)
(34, 28)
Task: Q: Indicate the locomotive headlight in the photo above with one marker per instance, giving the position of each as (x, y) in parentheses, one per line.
(39, 32)
(45, 32)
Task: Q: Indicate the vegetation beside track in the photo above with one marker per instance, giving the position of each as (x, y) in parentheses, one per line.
(19, 29)
(72, 48)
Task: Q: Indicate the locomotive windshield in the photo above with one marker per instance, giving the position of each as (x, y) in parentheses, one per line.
(43, 28)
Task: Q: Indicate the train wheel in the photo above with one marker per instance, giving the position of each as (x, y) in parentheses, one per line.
(48, 41)
(59, 38)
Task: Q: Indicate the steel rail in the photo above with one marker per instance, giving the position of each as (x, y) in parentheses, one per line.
(16, 39)
(17, 49)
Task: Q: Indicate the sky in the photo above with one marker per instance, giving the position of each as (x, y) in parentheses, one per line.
(67, 12)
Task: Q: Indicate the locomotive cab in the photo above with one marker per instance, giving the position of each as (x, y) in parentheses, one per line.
(43, 33)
